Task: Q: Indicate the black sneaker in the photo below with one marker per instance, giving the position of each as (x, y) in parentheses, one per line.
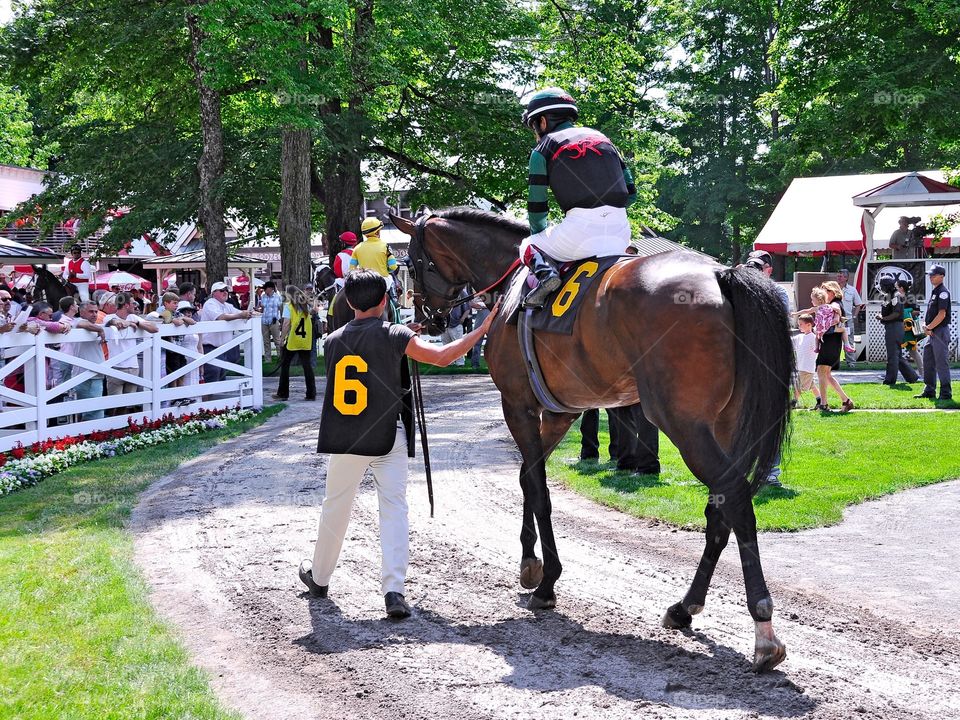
(396, 606)
(306, 577)
(928, 396)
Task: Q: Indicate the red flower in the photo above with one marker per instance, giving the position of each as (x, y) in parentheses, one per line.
(18, 452)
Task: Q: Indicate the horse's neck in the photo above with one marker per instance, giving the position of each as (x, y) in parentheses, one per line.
(488, 263)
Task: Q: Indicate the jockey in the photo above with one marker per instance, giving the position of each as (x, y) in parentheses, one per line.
(78, 272)
(373, 253)
(341, 263)
(590, 182)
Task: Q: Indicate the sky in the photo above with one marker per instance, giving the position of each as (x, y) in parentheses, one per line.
(5, 11)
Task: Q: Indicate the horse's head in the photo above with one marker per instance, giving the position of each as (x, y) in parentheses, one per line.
(438, 273)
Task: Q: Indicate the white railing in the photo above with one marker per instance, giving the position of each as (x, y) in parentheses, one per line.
(44, 407)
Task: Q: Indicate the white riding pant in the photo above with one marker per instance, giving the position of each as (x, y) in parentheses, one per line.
(584, 232)
(344, 473)
(83, 290)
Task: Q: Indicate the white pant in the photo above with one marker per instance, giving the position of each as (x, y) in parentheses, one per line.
(452, 334)
(344, 473)
(584, 232)
(83, 290)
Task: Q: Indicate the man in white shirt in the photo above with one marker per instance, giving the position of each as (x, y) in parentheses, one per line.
(217, 308)
(78, 272)
(91, 351)
(124, 322)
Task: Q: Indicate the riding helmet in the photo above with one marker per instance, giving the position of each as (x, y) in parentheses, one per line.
(348, 238)
(551, 100)
(371, 226)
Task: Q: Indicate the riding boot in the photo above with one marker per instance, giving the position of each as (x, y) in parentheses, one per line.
(548, 279)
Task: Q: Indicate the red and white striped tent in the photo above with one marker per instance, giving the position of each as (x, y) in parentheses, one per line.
(818, 215)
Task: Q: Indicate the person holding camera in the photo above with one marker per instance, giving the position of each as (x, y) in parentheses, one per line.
(901, 243)
(936, 361)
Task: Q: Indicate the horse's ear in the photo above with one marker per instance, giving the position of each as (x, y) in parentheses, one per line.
(402, 224)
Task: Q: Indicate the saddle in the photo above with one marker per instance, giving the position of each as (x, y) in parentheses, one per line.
(558, 315)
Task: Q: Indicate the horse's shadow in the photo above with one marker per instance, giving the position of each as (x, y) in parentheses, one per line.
(550, 652)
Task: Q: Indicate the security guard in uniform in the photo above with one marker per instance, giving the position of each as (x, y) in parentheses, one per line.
(361, 428)
(937, 320)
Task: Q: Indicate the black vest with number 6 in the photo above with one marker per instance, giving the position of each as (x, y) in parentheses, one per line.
(368, 388)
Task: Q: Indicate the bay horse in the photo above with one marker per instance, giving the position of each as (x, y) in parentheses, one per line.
(704, 349)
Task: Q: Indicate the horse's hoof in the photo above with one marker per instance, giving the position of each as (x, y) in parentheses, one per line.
(676, 618)
(537, 603)
(768, 654)
(531, 573)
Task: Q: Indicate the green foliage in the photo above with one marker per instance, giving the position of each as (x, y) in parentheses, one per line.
(19, 144)
(614, 55)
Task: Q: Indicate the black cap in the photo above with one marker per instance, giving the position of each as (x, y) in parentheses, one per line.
(760, 255)
(937, 269)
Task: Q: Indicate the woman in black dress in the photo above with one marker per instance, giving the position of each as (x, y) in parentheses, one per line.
(828, 359)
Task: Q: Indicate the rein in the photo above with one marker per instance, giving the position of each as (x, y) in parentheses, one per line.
(422, 266)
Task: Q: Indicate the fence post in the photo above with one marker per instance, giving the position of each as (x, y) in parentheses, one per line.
(256, 357)
(155, 368)
(40, 383)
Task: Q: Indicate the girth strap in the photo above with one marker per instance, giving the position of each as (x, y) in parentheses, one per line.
(537, 382)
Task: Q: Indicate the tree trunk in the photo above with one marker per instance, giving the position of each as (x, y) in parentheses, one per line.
(343, 199)
(211, 164)
(294, 220)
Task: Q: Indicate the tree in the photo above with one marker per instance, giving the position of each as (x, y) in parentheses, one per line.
(19, 144)
(614, 56)
(722, 192)
(872, 86)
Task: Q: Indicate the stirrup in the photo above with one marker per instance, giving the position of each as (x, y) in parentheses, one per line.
(537, 297)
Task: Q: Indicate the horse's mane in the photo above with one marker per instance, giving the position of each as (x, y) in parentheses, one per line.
(469, 214)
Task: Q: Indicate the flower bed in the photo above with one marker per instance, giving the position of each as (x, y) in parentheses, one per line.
(25, 466)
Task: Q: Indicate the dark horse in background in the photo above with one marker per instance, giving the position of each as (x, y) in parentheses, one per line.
(50, 287)
(703, 348)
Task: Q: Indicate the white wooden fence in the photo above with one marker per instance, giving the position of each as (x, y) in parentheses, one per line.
(45, 407)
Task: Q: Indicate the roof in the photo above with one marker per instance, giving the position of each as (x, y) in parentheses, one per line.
(911, 190)
(817, 215)
(649, 243)
(197, 260)
(14, 252)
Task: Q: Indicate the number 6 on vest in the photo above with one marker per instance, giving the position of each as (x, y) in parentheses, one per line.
(342, 385)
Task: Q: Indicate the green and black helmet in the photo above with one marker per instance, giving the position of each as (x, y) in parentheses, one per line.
(553, 101)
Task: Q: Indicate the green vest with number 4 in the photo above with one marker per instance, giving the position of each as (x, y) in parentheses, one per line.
(301, 330)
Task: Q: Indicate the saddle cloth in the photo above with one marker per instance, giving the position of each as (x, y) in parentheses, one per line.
(562, 307)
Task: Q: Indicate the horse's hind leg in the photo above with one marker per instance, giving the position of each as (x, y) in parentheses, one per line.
(681, 614)
(730, 508)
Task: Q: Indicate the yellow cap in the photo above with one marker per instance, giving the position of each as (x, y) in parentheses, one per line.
(371, 226)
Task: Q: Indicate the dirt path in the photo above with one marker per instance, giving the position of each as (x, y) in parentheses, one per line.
(220, 541)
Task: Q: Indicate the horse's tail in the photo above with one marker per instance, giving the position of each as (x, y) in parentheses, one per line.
(764, 367)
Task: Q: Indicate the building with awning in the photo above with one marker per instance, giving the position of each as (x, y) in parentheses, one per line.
(817, 215)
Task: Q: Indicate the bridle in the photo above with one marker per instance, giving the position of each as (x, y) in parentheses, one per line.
(427, 275)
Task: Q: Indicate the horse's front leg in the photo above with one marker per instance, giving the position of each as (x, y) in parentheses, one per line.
(531, 567)
(536, 437)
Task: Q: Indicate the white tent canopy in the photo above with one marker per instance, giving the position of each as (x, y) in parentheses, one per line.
(817, 215)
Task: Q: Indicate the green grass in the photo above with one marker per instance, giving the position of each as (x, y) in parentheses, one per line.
(78, 638)
(876, 396)
(833, 461)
